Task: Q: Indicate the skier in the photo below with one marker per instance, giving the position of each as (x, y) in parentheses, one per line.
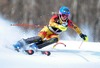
(50, 33)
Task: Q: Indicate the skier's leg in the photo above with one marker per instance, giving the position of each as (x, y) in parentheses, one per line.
(44, 33)
(48, 42)
(38, 40)
(35, 39)
(21, 43)
(49, 35)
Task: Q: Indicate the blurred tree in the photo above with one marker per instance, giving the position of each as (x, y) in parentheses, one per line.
(83, 12)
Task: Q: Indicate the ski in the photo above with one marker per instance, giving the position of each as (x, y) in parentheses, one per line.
(30, 51)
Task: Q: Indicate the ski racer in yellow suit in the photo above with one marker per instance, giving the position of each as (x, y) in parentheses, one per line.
(50, 33)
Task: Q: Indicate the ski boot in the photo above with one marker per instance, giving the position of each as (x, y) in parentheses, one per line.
(19, 45)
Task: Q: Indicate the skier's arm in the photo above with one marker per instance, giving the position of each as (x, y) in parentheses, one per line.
(77, 29)
(74, 27)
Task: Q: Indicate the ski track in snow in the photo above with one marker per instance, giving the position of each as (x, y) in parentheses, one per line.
(61, 57)
(88, 56)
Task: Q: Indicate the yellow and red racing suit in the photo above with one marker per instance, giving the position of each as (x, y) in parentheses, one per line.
(57, 26)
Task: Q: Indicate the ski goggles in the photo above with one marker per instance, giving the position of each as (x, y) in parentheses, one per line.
(64, 15)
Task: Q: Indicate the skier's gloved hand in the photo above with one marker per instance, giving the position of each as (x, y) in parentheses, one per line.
(84, 37)
(61, 27)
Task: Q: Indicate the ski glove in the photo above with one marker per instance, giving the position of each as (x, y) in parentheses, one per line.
(84, 37)
(61, 27)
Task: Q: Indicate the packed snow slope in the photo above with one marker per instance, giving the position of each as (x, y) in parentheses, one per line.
(75, 55)
(88, 56)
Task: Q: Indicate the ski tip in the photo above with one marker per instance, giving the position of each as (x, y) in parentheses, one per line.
(48, 53)
(29, 52)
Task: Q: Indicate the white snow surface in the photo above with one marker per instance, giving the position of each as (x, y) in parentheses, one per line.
(71, 56)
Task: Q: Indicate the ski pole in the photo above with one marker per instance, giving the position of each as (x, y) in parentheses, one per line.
(81, 44)
(28, 25)
(59, 43)
(86, 39)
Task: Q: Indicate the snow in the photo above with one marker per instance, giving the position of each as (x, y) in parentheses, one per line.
(71, 56)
